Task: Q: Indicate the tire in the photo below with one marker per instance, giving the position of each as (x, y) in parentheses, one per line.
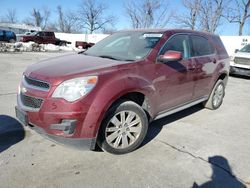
(62, 44)
(123, 129)
(216, 97)
(12, 41)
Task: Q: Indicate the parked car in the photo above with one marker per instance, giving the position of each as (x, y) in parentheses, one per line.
(84, 45)
(43, 37)
(7, 36)
(109, 93)
(240, 61)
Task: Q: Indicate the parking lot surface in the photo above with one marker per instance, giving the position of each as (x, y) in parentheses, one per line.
(193, 148)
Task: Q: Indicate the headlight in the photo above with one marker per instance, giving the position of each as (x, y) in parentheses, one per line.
(74, 89)
(232, 58)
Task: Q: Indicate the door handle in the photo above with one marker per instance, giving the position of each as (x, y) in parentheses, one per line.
(191, 68)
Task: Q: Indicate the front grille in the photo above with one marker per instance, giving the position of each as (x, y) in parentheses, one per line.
(31, 102)
(242, 61)
(37, 83)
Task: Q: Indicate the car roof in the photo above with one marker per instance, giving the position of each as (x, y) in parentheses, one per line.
(169, 30)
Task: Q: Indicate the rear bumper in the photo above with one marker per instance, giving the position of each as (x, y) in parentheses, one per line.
(239, 71)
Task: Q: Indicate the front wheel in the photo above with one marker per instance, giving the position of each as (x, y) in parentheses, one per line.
(124, 128)
(216, 97)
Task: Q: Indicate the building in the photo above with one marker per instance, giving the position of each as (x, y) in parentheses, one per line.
(18, 28)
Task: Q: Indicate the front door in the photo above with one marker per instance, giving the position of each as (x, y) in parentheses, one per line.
(175, 79)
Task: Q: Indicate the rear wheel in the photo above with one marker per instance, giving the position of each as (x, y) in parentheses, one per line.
(216, 97)
(124, 128)
(62, 43)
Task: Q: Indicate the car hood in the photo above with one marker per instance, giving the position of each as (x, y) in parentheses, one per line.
(69, 66)
(242, 54)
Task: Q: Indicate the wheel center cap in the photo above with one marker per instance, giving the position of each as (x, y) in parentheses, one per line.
(124, 127)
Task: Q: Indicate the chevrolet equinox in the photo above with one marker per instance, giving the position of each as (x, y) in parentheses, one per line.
(108, 94)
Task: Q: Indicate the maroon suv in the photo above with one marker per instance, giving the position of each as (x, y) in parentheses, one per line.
(108, 94)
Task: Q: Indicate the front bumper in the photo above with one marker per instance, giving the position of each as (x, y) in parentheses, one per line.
(66, 126)
(79, 143)
(239, 71)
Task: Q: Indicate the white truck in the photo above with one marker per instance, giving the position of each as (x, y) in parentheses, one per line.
(240, 61)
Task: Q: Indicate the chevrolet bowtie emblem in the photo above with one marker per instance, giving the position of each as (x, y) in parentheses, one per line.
(23, 90)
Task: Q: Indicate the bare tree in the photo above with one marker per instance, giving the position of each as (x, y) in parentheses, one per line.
(191, 18)
(92, 15)
(38, 18)
(10, 16)
(212, 12)
(61, 20)
(51, 26)
(66, 22)
(109, 31)
(147, 13)
(239, 13)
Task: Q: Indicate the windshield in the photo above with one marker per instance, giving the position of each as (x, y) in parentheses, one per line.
(125, 46)
(246, 48)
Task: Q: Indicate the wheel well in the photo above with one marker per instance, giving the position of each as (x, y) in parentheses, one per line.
(222, 76)
(135, 97)
(139, 99)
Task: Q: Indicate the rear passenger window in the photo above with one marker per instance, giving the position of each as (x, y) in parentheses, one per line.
(48, 34)
(201, 46)
(178, 43)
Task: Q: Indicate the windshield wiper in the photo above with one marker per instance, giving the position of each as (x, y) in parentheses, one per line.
(109, 57)
(82, 52)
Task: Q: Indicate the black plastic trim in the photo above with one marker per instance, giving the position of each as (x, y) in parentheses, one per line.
(78, 143)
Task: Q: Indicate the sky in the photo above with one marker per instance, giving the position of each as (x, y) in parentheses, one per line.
(115, 7)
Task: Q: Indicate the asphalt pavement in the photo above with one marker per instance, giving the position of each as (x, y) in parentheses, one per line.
(193, 148)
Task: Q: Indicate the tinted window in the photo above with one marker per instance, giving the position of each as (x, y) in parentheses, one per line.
(1, 33)
(9, 34)
(201, 46)
(219, 45)
(178, 43)
(40, 34)
(48, 34)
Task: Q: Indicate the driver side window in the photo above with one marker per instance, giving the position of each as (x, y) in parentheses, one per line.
(178, 43)
(39, 34)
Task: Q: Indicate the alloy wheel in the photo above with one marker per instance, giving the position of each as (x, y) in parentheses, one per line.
(123, 129)
(218, 95)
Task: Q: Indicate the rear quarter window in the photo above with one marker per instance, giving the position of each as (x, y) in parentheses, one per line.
(219, 45)
(201, 46)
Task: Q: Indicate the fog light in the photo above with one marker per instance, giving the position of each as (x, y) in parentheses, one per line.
(67, 126)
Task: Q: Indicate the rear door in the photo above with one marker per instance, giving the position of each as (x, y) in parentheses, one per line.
(205, 60)
(176, 78)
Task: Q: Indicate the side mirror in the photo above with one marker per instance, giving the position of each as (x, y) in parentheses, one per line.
(236, 50)
(170, 56)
